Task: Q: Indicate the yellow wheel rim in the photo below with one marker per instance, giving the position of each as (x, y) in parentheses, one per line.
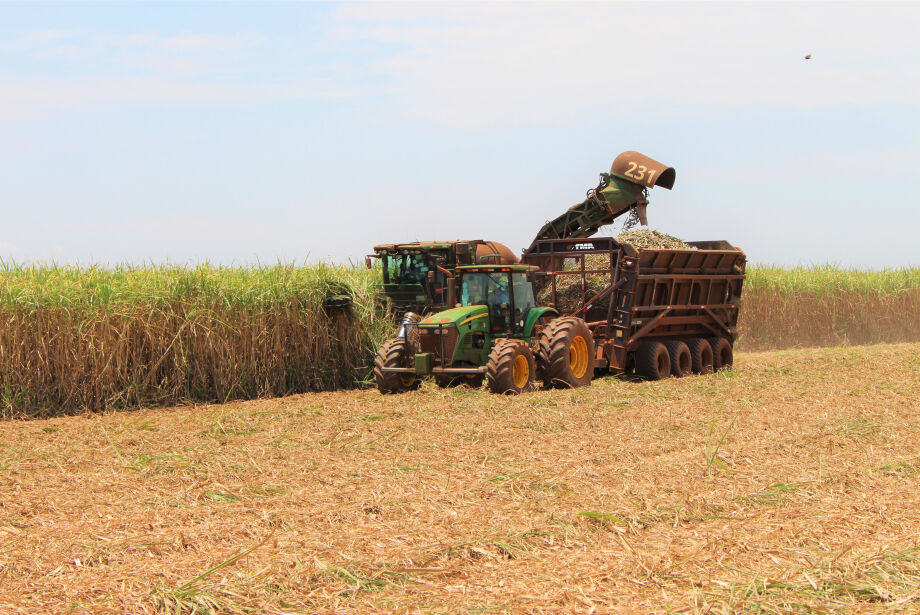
(578, 356)
(521, 371)
(407, 380)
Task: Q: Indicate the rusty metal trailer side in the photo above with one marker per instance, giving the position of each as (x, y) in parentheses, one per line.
(650, 294)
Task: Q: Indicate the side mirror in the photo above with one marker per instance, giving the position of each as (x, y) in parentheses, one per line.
(367, 262)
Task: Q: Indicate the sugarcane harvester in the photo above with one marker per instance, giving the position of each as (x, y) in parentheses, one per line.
(659, 312)
(418, 276)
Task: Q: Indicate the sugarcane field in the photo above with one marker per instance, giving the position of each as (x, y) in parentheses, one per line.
(370, 308)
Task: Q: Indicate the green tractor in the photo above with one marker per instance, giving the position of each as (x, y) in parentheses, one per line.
(497, 333)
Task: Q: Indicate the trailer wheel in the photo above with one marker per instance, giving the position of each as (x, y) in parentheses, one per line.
(653, 361)
(700, 355)
(510, 369)
(393, 354)
(565, 353)
(445, 381)
(722, 355)
(681, 362)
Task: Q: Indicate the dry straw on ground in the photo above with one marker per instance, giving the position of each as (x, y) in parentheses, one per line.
(787, 485)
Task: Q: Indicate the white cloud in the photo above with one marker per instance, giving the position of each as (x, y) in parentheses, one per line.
(24, 98)
(479, 65)
(474, 64)
(90, 71)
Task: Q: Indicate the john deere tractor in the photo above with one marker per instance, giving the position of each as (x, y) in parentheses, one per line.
(497, 333)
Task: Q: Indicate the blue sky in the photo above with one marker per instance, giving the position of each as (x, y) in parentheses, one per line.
(237, 133)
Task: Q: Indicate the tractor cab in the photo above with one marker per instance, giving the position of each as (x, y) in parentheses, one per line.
(507, 293)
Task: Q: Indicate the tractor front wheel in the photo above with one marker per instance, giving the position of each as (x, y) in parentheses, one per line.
(510, 369)
(565, 355)
(393, 354)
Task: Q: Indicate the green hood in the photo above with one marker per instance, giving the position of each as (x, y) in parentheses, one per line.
(455, 315)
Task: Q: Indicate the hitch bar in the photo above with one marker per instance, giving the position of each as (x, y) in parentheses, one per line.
(436, 370)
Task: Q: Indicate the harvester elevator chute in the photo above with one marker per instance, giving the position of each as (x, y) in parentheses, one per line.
(624, 189)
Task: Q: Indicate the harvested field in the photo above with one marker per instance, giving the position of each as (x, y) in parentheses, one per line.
(787, 485)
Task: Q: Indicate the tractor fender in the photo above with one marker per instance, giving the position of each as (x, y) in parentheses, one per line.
(534, 314)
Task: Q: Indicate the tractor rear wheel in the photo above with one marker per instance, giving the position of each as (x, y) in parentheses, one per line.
(445, 381)
(722, 355)
(700, 355)
(653, 362)
(565, 353)
(393, 354)
(681, 362)
(510, 369)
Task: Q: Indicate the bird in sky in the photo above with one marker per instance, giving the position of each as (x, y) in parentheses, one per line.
(808, 57)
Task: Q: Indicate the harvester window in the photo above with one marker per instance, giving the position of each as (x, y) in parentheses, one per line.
(406, 269)
(415, 270)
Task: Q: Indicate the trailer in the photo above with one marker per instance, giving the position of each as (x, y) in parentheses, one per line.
(655, 312)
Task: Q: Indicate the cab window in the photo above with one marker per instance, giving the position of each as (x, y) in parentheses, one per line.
(523, 298)
(484, 289)
(405, 269)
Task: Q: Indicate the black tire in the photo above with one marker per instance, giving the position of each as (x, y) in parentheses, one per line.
(722, 354)
(446, 381)
(565, 353)
(653, 362)
(392, 354)
(511, 368)
(681, 362)
(700, 356)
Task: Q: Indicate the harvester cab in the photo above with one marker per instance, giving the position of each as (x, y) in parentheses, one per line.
(419, 277)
